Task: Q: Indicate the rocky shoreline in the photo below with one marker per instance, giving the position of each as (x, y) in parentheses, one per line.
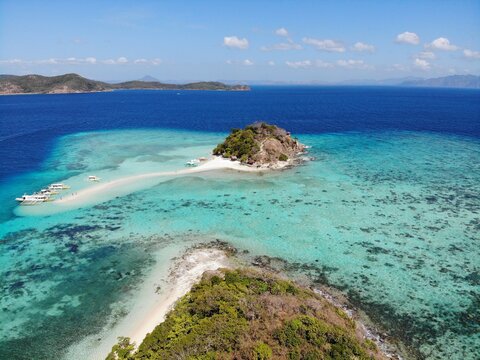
(391, 348)
(261, 145)
(263, 273)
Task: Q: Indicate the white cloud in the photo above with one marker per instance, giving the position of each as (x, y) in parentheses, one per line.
(80, 61)
(349, 64)
(426, 55)
(471, 54)
(246, 62)
(442, 44)
(13, 62)
(271, 63)
(50, 61)
(121, 60)
(281, 32)
(362, 47)
(408, 38)
(421, 64)
(91, 60)
(352, 64)
(325, 45)
(299, 64)
(323, 64)
(290, 45)
(143, 61)
(235, 42)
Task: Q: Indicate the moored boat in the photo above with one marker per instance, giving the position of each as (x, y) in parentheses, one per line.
(58, 186)
(193, 162)
(32, 199)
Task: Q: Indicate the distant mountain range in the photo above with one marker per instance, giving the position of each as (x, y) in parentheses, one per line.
(148, 78)
(74, 83)
(453, 81)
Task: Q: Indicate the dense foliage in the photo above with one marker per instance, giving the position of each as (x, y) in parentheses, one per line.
(240, 143)
(248, 315)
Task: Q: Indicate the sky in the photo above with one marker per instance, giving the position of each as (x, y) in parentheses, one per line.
(269, 41)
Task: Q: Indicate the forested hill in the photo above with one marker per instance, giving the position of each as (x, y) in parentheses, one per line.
(74, 83)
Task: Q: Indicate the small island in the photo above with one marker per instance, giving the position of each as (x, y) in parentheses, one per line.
(74, 83)
(262, 145)
(251, 314)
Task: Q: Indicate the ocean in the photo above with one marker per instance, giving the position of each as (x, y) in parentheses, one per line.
(387, 212)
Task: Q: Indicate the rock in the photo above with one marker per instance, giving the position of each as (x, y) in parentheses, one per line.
(261, 144)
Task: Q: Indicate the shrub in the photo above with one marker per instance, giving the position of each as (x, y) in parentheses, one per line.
(283, 157)
(216, 280)
(262, 351)
(246, 314)
(240, 143)
(123, 350)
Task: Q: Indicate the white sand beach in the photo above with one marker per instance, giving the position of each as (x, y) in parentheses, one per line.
(100, 192)
(152, 301)
(216, 163)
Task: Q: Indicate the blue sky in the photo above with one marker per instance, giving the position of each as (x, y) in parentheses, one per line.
(240, 40)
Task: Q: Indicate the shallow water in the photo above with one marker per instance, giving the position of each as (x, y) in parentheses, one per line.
(389, 217)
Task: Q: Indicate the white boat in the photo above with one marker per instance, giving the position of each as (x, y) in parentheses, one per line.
(93, 178)
(193, 162)
(48, 192)
(58, 186)
(32, 199)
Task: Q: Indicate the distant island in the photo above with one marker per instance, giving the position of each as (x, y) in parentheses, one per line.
(260, 144)
(74, 83)
(453, 81)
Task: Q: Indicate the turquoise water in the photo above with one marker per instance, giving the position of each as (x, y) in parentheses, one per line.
(389, 218)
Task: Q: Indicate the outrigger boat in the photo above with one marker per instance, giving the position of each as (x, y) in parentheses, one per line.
(193, 162)
(58, 186)
(32, 199)
(93, 178)
(43, 195)
(47, 192)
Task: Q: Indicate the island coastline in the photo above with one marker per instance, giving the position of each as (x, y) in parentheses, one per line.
(185, 272)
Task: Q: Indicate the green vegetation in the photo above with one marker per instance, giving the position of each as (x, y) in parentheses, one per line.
(242, 314)
(122, 350)
(240, 143)
(44, 84)
(76, 83)
(258, 142)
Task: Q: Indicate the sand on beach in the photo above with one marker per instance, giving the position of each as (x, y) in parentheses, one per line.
(149, 305)
(104, 191)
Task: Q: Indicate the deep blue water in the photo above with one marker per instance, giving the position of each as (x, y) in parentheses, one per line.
(29, 125)
(388, 212)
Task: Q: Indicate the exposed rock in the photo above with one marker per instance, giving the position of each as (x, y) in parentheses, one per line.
(261, 144)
